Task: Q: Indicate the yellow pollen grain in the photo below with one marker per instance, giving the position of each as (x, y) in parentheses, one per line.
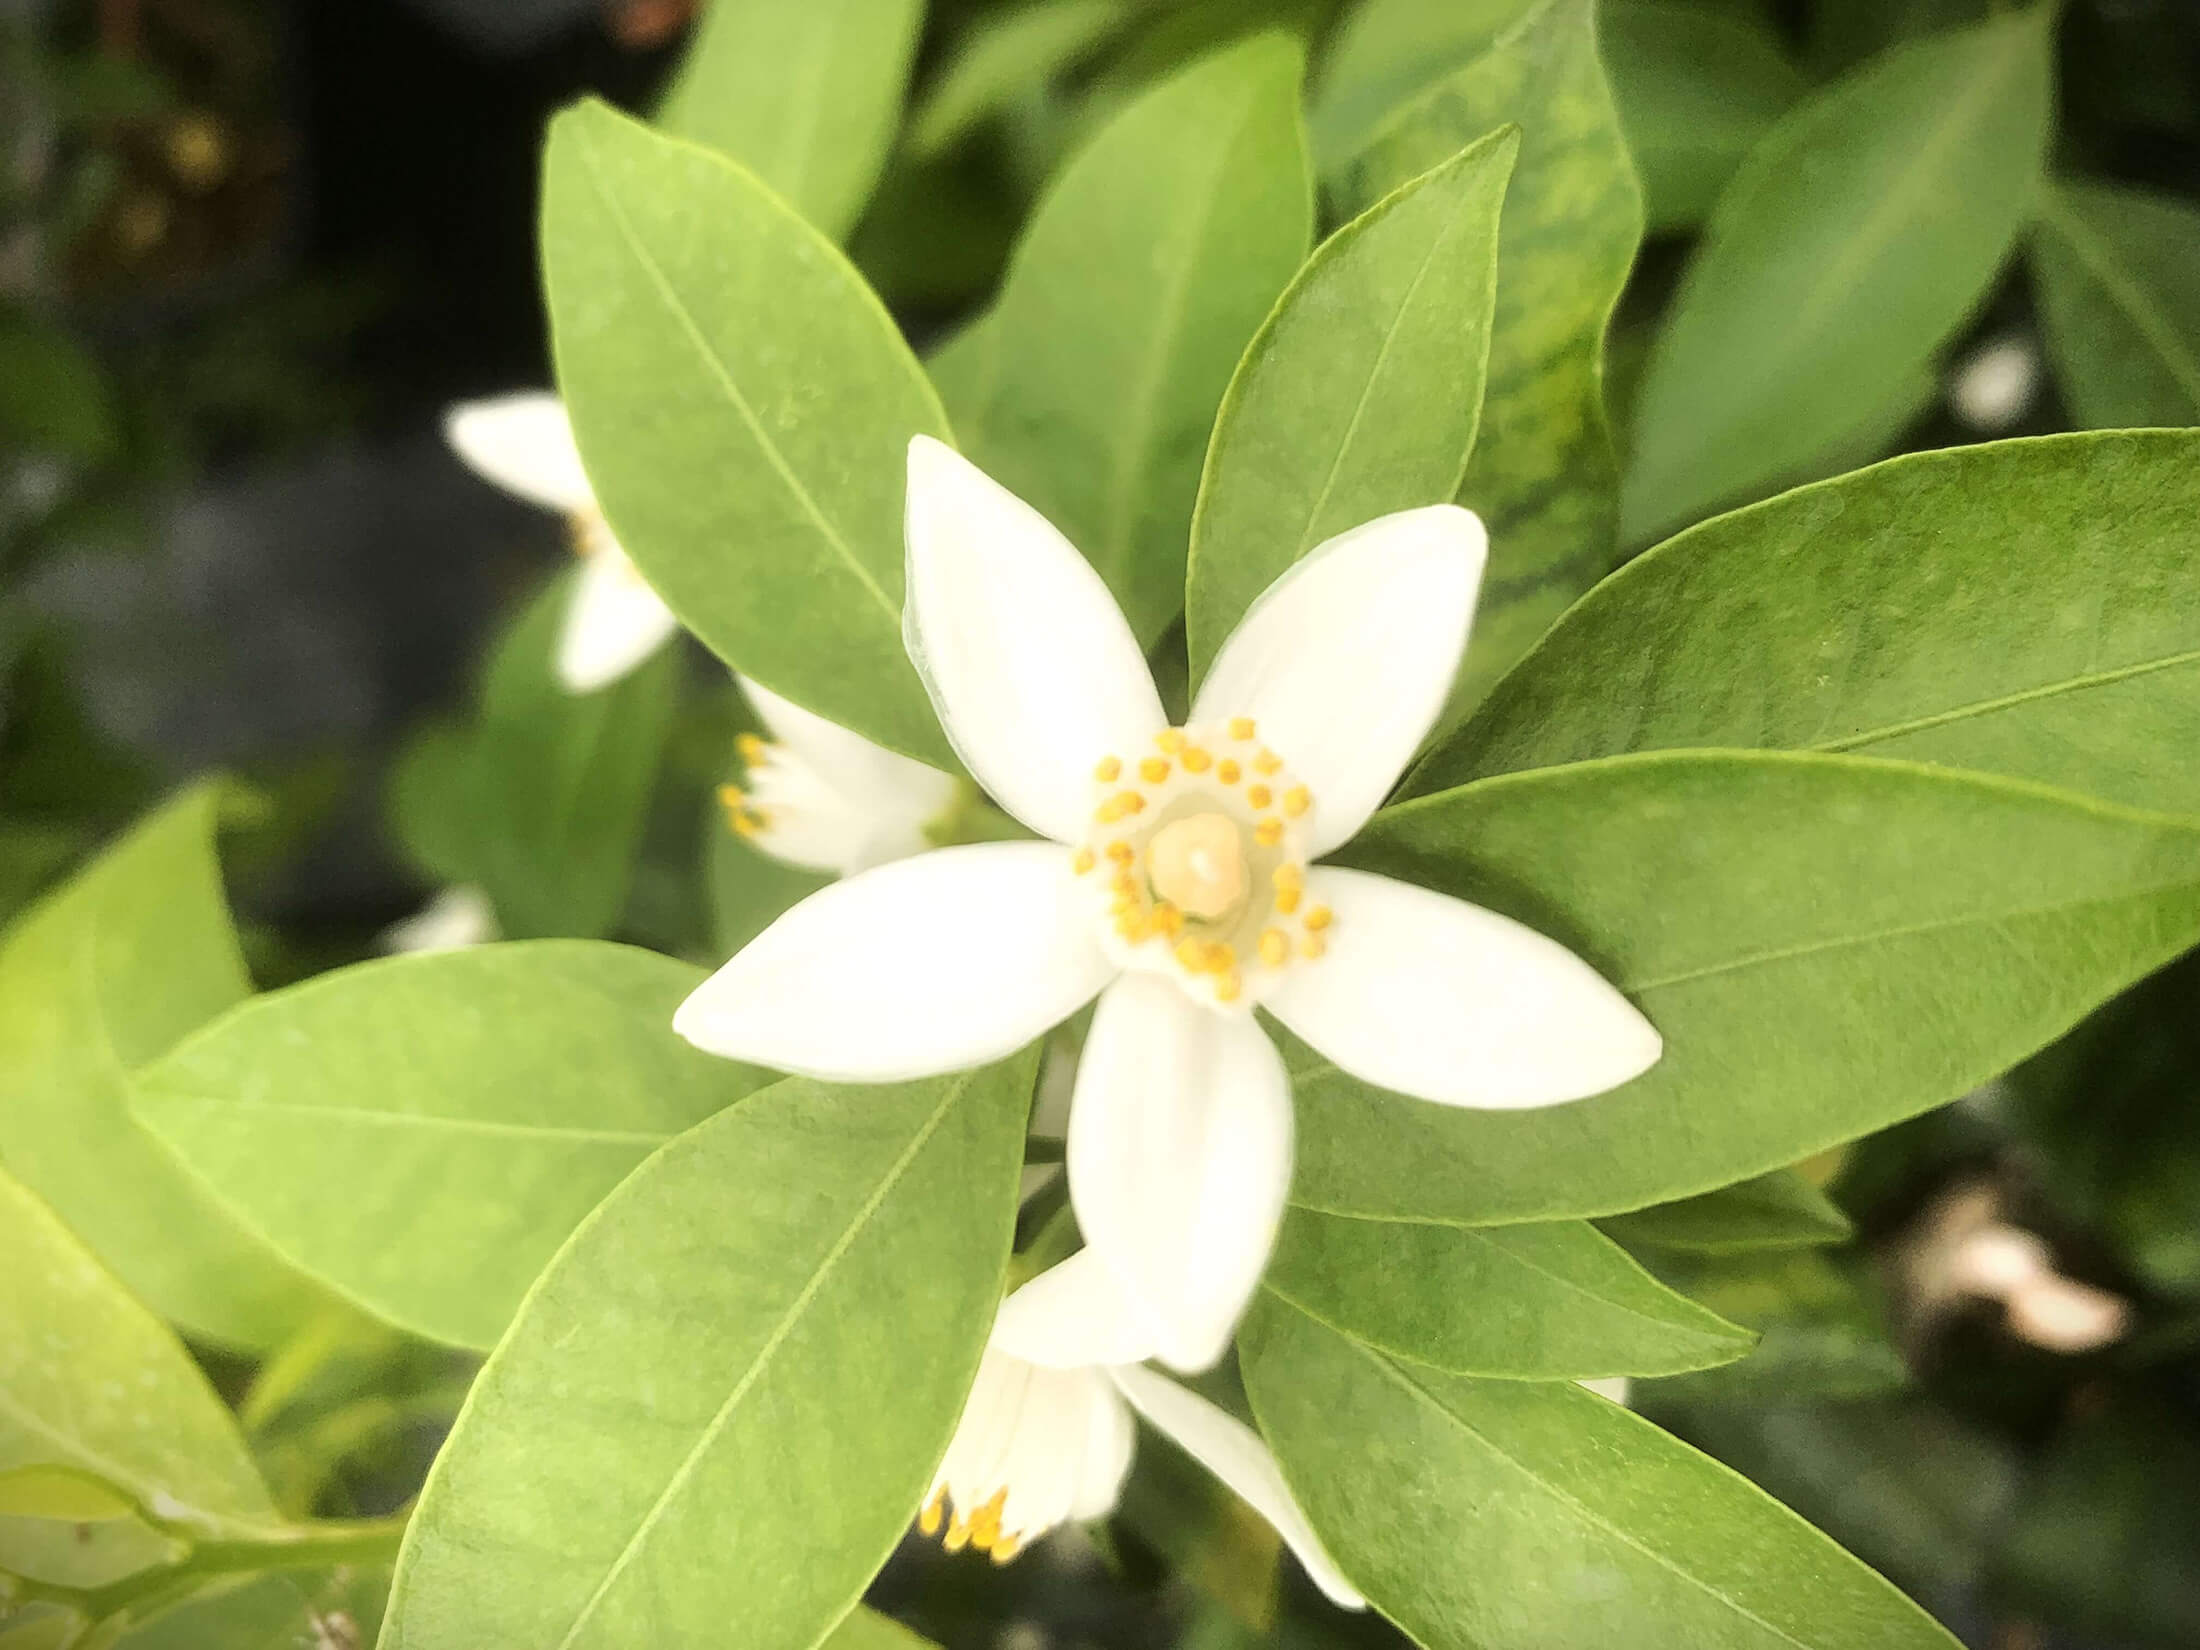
(1287, 900)
(1259, 795)
(1084, 860)
(1228, 771)
(1275, 948)
(1228, 987)
(1191, 956)
(1122, 887)
(1196, 760)
(1168, 920)
(1221, 959)
(753, 750)
(1312, 946)
(1171, 740)
(928, 1521)
(1154, 769)
(1241, 727)
(1289, 876)
(1319, 917)
(1109, 770)
(1297, 800)
(1131, 801)
(1268, 762)
(1121, 852)
(1268, 832)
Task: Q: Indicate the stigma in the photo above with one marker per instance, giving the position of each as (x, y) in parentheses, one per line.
(1196, 855)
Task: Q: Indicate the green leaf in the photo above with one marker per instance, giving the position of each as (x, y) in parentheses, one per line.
(1145, 269)
(53, 394)
(92, 1381)
(1697, 89)
(745, 407)
(1547, 1301)
(102, 976)
(1780, 1210)
(1361, 392)
(1003, 56)
(431, 803)
(749, 891)
(1504, 1515)
(1408, 85)
(1820, 1335)
(864, 1629)
(2029, 608)
(718, 1410)
(1827, 944)
(324, 1609)
(2118, 276)
(561, 781)
(806, 97)
(1853, 241)
(68, 1494)
(423, 1132)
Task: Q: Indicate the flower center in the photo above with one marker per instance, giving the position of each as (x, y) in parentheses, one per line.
(746, 810)
(1197, 851)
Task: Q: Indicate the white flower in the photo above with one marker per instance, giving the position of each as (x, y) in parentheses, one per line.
(1995, 386)
(827, 799)
(524, 443)
(1178, 887)
(458, 917)
(1040, 1444)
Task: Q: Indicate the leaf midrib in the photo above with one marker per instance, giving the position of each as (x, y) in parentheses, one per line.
(585, 148)
(432, 1121)
(2022, 696)
(768, 1350)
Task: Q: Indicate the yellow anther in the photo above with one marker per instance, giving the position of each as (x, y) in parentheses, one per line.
(1312, 946)
(1268, 832)
(1083, 860)
(957, 1536)
(753, 750)
(1132, 802)
(1134, 926)
(1228, 771)
(1109, 770)
(928, 1521)
(1287, 900)
(1196, 760)
(1228, 987)
(1007, 1548)
(1319, 917)
(731, 797)
(1220, 958)
(1241, 727)
(1119, 806)
(1121, 852)
(1275, 947)
(746, 823)
(1259, 795)
(1297, 800)
(1191, 956)
(1268, 762)
(985, 1523)
(1289, 875)
(1154, 769)
(1168, 920)
(1122, 887)
(1171, 740)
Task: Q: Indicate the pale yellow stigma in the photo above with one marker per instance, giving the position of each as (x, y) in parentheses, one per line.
(1197, 864)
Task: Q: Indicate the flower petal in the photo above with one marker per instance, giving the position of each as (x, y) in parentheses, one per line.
(457, 918)
(613, 622)
(1231, 1450)
(931, 964)
(869, 777)
(1179, 1160)
(1442, 1000)
(1345, 661)
(1029, 662)
(524, 443)
(1073, 1314)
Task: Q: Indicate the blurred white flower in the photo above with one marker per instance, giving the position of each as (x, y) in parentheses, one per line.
(458, 917)
(1994, 387)
(1965, 1251)
(523, 442)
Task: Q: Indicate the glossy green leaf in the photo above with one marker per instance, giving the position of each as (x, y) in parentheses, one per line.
(749, 891)
(1144, 270)
(423, 1132)
(718, 1410)
(1820, 1332)
(2029, 608)
(92, 1381)
(1544, 1301)
(868, 1630)
(1361, 392)
(806, 96)
(1004, 56)
(431, 803)
(66, 1493)
(1853, 241)
(745, 407)
(53, 394)
(1827, 944)
(1409, 84)
(2118, 275)
(1697, 88)
(102, 976)
(324, 1609)
(1780, 1210)
(1519, 1515)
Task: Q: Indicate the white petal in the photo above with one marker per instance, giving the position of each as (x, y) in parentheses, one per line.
(1615, 1389)
(1228, 1448)
(613, 623)
(458, 917)
(1029, 662)
(524, 443)
(1110, 1437)
(930, 964)
(1070, 1315)
(1345, 660)
(869, 777)
(1179, 1160)
(1442, 1000)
